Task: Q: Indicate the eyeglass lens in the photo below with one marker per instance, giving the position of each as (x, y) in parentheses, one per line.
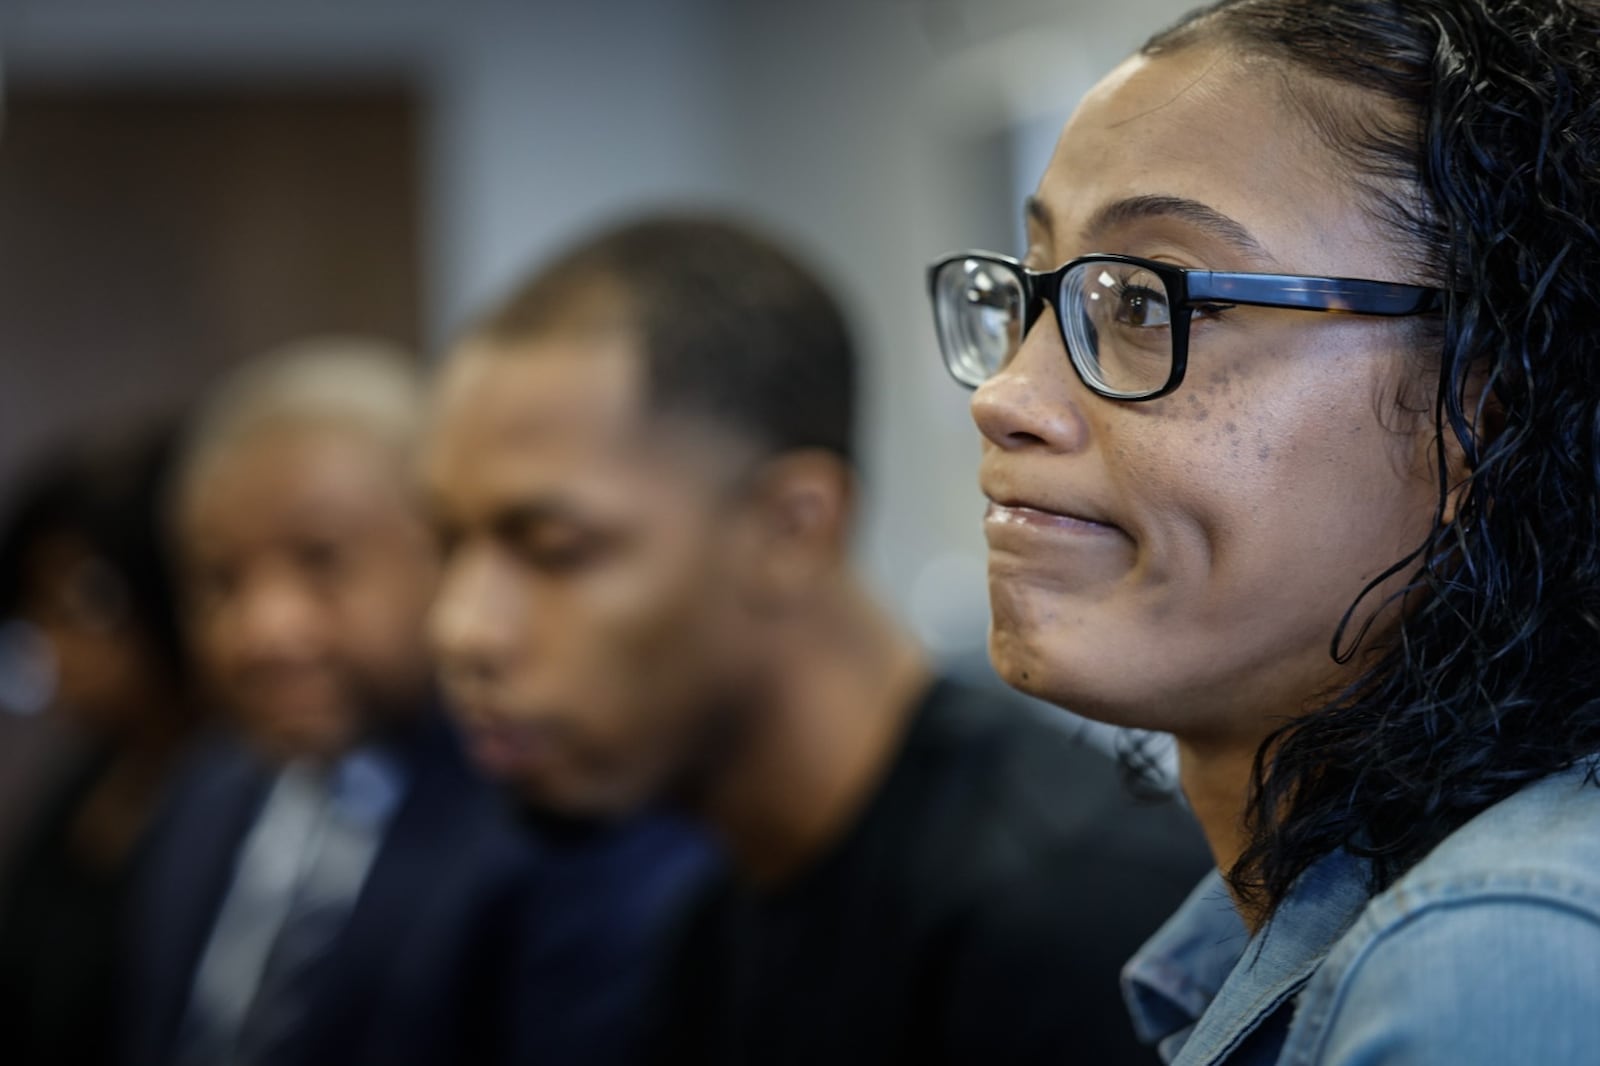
(981, 316)
(1113, 317)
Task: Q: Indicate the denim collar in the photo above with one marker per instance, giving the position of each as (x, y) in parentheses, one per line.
(1202, 985)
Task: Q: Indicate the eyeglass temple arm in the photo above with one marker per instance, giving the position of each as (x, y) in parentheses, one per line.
(1348, 295)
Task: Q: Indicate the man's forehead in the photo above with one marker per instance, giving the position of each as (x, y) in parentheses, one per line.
(524, 423)
(294, 451)
(558, 387)
(294, 473)
(511, 420)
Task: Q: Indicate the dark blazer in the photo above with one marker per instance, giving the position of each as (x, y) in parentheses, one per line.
(426, 969)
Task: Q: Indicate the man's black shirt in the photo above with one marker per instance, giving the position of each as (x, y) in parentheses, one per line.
(978, 911)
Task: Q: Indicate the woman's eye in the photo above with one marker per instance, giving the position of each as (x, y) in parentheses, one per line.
(1141, 306)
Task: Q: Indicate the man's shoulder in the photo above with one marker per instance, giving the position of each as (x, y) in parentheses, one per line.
(1012, 808)
(1053, 872)
(1035, 789)
(996, 735)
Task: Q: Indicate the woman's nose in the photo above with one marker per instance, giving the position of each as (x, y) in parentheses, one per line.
(1035, 400)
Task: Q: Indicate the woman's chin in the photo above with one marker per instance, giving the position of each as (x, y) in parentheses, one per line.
(1022, 675)
(1032, 669)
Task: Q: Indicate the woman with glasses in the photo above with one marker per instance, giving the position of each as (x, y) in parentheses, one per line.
(1291, 443)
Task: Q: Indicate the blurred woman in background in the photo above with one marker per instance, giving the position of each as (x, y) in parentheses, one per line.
(86, 597)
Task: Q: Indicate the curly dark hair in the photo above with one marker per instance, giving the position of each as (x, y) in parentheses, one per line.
(109, 492)
(1472, 127)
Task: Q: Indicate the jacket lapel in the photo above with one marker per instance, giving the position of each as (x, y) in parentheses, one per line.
(183, 878)
(1279, 960)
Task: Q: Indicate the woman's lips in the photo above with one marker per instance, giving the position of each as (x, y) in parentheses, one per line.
(1025, 516)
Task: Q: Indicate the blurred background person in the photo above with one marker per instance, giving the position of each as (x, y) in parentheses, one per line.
(643, 471)
(330, 882)
(92, 632)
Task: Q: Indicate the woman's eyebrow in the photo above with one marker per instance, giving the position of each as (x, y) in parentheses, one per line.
(1202, 216)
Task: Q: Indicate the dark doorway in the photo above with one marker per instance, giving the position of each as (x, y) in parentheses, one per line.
(148, 238)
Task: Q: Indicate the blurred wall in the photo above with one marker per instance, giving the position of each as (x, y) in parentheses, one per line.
(874, 133)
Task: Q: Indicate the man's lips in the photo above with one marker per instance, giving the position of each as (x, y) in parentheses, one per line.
(504, 742)
(500, 754)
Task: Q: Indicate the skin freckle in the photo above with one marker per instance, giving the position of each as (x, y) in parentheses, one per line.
(1195, 410)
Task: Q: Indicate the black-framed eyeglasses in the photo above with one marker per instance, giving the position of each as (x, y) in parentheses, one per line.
(1125, 320)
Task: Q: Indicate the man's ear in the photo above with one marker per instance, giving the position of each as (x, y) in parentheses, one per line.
(801, 504)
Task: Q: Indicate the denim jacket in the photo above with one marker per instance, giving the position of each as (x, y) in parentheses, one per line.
(1486, 952)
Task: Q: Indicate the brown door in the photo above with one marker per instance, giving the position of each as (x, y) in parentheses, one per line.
(148, 238)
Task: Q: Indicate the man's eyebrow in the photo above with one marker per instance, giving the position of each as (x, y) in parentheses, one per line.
(1202, 216)
(510, 516)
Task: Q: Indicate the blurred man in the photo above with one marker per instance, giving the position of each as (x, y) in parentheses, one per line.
(643, 471)
(339, 887)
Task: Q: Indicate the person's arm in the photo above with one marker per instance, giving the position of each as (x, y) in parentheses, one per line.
(1485, 981)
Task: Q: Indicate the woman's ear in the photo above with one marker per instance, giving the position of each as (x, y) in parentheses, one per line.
(1491, 417)
(1486, 420)
(802, 504)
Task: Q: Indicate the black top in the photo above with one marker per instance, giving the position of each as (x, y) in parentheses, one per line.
(979, 911)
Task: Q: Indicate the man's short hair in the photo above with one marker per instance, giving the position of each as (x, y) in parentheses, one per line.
(345, 382)
(730, 326)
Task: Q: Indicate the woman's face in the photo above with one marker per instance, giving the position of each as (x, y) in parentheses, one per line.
(1183, 563)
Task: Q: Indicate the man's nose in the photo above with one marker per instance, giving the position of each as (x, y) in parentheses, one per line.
(470, 624)
(277, 619)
